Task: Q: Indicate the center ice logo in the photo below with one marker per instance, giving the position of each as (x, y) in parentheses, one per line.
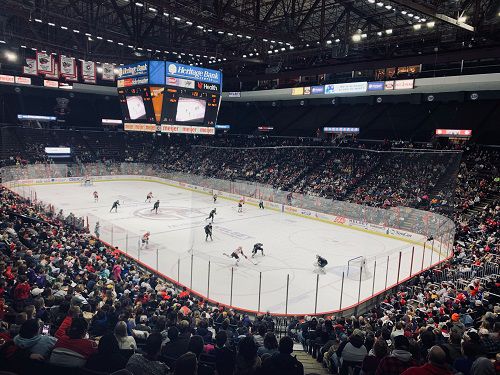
(170, 213)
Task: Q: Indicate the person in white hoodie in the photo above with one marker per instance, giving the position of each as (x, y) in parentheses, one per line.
(29, 338)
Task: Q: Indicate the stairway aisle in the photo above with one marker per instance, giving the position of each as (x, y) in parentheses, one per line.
(311, 366)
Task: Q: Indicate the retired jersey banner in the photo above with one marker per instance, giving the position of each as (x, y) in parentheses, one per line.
(30, 67)
(67, 65)
(55, 73)
(44, 62)
(108, 72)
(88, 71)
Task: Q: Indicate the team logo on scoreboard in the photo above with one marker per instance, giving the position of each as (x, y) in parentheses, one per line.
(172, 69)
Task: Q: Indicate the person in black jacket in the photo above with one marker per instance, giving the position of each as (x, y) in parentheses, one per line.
(283, 363)
(176, 346)
(108, 357)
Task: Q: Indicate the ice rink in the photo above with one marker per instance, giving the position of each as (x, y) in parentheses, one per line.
(178, 248)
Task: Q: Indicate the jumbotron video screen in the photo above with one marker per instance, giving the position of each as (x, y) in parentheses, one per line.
(188, 106)
(169, 105)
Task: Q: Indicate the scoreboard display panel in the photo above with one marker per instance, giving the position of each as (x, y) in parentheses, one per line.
(190, 106)
(136, 104)
(169, 97)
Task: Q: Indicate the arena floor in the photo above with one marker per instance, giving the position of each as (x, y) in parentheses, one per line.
(290, 244)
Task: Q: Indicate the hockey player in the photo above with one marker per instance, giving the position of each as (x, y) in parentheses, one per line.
(240, 205)
(320, 264)
(149, 197)
(96, 196)
(115, 206)
(261, 204)
(145, 240)
(156, 206)
(257, 247)
(97, 230)
(212, 214)
(236, 254)
(208, 232)
(215, 198)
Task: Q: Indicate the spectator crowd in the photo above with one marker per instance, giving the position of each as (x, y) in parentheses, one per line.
(68, 300)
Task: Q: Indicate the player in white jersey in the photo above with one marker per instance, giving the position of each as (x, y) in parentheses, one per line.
(237, 254)
(149, 197)
(96, 196)
(240, 205)
(145, 240)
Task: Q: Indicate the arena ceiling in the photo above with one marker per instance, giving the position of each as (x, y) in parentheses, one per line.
(230, 34)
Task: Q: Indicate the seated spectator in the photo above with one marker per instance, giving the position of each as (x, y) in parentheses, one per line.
(108, 357)
(75, 339)
(247, 360)
(472, 360)
(372, 360)
(147, 363)
(436, 364)
(124, 340)
(196, 347)
(259, 337)
(224, 357)
(187, 364)
(283, 363)
(29, 338)
(352, 351)
(399, 360)
(270, 346)
(175, 347)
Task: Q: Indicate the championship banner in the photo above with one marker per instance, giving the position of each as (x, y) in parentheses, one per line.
(67, 65)
(88, 71)
(55, 73)
(44, 63)
(108, 72)
(73, 78)
(30, 67)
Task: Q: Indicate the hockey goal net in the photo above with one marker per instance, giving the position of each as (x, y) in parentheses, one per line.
(87, 181)
(357, 267)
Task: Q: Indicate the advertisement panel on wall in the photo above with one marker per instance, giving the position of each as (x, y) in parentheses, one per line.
(297, 91)
(453, 132)
(404, 84)
(317, 90)
(375, 86)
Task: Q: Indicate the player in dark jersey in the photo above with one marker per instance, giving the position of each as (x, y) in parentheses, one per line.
(212, 214)
(320, 264)
(115, 206)
(156, 206)
(261, 204)
(215, 198)
(208, 232)
(257, 247)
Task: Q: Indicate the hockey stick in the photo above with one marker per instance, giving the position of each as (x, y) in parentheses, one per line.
(251, 261)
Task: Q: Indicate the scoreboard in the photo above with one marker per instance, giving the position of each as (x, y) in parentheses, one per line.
(173, 97)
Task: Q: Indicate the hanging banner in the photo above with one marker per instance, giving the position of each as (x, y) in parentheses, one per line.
(108, 72)
(44, 63)
(73, 78)
(55, 73)
(88, 71)
(67, 65)
(30, 67)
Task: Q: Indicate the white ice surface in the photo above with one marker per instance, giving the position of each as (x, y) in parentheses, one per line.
(290, 245)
